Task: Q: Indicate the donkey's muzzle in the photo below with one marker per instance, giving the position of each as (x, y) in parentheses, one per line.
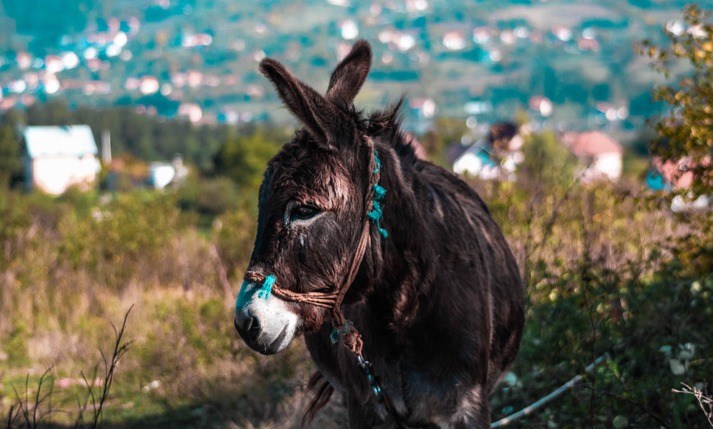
(266, 342)
(265, 323)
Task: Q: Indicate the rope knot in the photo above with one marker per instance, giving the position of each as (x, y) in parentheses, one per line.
(379, 192)
(340, 331)
(349, 335)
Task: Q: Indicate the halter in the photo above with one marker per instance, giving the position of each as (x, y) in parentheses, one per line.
(373, 211)
(343, 328)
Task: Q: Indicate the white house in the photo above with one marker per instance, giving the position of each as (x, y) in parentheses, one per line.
(59, 157)
(163, 174)
(599, 155)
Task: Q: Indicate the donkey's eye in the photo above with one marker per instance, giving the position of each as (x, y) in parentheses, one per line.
(303, 212)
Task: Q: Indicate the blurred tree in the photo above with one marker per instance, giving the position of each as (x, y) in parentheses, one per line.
(51, 113)
(10, 162)
(547, 162)
(208, 197)
(688, 128)
(243, 158)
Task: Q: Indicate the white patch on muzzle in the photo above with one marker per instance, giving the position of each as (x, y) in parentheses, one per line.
(277, 322)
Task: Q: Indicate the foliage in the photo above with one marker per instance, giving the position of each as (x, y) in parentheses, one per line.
(208, 197)
(443, 133)
(609, 271)
(547, 162)
(69, 264)
(243, 158)
(127, 229)
(688, 128)
(55, 19)
(236, 227)
(10, 164)
(601, 282)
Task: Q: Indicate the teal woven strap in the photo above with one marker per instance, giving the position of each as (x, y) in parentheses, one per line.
(377, 210)
(266, 288)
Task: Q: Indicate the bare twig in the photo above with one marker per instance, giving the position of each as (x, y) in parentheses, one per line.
(704, 402)
(110, 364)
(89, 395)
(12, 416)
(29, 412)
(547, 398)
(32, 409)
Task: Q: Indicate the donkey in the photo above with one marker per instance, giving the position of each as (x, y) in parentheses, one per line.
(400, 255)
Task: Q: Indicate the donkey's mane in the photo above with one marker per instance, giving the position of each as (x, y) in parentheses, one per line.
(383, 125)
(386, 124)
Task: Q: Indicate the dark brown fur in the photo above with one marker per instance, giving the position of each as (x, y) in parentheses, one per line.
(439, 303)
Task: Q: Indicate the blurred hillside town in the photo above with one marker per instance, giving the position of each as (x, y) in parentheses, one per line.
(570, 64)
(502, 70)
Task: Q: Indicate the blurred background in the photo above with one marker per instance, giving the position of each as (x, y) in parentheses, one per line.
(134, 135)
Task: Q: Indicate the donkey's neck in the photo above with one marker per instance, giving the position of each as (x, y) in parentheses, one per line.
(415, 312)
(399, 265)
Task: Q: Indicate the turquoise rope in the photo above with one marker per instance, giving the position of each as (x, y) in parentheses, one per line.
(266, 288)
(379, 192)
(377, 210)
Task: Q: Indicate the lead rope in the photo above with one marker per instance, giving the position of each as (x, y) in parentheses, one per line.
(342, 328)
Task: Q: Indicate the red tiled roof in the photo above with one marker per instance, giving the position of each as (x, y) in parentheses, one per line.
(591, 143)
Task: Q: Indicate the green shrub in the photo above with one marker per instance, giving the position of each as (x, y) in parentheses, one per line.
(234, 237)
(119, 238)
(208, 197)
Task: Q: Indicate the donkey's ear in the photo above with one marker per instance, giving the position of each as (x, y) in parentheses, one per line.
(309, 107)
(350, 74)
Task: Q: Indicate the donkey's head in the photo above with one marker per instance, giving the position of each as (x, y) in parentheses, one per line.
(310, 207)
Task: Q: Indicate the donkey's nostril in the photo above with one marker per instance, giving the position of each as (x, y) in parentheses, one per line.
(252, 327)
(247, 323)
(248, 327)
